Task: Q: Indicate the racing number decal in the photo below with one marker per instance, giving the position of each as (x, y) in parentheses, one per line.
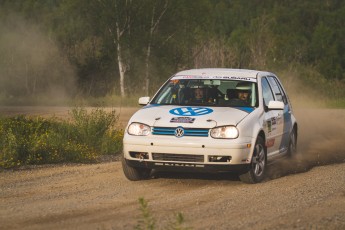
(191, 111)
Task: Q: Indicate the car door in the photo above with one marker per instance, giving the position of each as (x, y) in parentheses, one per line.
(284, 116)
(272, 120)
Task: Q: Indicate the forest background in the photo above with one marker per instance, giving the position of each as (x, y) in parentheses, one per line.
(113, 51)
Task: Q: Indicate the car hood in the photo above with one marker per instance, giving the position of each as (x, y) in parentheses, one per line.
(190, 116)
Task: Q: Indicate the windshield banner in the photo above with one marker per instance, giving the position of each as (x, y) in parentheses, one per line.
(237, 78)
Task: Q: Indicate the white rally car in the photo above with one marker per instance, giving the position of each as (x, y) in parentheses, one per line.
(222, 120)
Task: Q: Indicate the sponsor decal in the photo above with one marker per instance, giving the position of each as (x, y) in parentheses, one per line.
(182, 120)
(191, 111)
(270, 142)
(269, 126)
(279, 120)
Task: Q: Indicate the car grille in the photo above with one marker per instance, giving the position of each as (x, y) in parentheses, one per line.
(177, 157)
(170, 131)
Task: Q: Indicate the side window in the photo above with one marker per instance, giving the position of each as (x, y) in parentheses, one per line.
(266, 91)
(279, 93)
(285, 100)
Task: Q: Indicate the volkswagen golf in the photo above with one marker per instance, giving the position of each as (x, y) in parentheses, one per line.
(211, 120)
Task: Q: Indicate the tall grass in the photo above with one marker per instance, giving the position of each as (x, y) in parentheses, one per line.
(83, 138)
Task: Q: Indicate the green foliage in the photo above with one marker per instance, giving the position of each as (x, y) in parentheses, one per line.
(25, 141)
(93, 128)
(148, 222)
(80, 35)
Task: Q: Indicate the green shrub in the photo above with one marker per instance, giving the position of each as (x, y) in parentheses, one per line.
(148, 222)
(94, 128)
(84, 138)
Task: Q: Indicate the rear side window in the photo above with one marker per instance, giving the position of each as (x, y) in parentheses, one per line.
(277, 90)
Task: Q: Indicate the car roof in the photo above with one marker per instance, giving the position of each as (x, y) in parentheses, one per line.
(223, 72)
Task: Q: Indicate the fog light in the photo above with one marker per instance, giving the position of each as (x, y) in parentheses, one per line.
(139, 155)
(219, 158)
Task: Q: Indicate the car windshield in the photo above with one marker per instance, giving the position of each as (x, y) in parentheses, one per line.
(209, 92)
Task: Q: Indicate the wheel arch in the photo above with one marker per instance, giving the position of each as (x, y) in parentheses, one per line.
(295, 127)
(262, 134)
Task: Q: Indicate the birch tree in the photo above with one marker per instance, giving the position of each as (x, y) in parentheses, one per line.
(118, 28)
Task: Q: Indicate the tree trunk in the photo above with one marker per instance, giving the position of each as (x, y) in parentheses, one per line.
(122, 70)
(153, 25)
(27, 78)
(147, 63)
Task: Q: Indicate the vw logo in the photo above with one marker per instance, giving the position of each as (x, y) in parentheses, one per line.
(191, 111)
(179, 132)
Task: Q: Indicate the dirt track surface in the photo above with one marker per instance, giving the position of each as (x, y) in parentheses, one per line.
(307, 192)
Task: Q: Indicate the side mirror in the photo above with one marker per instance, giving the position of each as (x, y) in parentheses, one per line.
(144, 100)
(275, 105)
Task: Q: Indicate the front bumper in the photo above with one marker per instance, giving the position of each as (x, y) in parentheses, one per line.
(189, 153)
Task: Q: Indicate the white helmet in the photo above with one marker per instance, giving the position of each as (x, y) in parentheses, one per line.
(244, 86)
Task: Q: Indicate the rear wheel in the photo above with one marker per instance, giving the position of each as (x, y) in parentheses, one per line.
(133, 173)
(292, 143)
(257, 170)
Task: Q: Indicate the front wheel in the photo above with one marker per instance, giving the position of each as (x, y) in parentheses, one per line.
(134, 174)
(257, 169)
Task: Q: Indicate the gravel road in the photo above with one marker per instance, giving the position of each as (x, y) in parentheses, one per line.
(307, 192)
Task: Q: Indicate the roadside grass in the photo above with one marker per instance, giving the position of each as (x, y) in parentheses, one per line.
(148, 222)
(336, 103)
(84, 138)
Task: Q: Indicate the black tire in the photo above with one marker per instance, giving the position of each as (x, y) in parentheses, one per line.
(292, 149)
(257, 169)
(134, 174)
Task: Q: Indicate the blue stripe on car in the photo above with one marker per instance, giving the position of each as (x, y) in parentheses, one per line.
(245, 109)
(286, 125)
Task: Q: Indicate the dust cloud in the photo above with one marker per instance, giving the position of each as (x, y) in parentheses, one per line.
(321, 131)
(321, 134)
(31, 64)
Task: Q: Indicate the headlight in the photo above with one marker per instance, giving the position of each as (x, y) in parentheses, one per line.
(138, 129)
(224, 132)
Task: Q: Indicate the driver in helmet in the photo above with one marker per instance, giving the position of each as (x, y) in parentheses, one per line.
(243, 95)
(243, 92)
